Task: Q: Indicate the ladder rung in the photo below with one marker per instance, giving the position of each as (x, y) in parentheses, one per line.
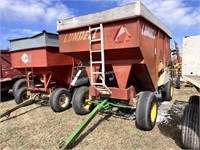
(174, 50)
(96, 40)
(96, 51)
(96, 62)
(100, 89)
(97, 72)
(97, 28)
(98, 84)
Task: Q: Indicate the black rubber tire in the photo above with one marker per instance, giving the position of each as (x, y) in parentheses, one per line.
(21, 96)
(144, 109)
(168, 91)
(57, 96)
(18, 84)
(78, 100)
(190, 127)
(178, 82)
(194, 99)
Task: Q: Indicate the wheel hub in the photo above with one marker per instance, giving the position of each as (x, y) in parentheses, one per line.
(25, 96)
(153, 111)
(171, 91)
(63, 100)
(86, 103)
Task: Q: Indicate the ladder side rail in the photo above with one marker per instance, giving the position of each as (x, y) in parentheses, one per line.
(102, 51)
(91, 66)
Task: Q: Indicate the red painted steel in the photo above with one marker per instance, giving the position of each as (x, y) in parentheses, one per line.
(45, 63)
(122, 74)
(117, 93)
(134, 50)
(6, 69)
(39, 57)
(9, 75)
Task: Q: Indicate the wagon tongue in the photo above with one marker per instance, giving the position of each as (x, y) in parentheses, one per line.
(71, 139)
(9, 111)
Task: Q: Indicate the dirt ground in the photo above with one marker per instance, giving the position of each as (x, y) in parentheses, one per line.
(38, 127)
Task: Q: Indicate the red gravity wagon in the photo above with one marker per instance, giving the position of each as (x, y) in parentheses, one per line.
(126, 51)
(49, 74)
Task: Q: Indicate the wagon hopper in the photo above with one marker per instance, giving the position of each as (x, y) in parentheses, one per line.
(126, 51)
(48, 72)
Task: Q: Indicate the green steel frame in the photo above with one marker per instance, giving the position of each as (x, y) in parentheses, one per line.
(100, 105)
(71, 139)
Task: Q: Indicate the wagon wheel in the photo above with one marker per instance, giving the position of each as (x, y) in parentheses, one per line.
(146, 111)
(18, 84)
(194, 99)
(168, 91)
(21, 96)
(190, 127)
(60, 100)
(80, 101)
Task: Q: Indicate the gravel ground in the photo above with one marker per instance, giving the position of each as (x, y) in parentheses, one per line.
(38, 127)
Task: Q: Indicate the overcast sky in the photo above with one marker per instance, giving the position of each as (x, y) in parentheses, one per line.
(21, 18)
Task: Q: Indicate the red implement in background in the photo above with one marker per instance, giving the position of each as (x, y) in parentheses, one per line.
(47, 63)
(9, 75)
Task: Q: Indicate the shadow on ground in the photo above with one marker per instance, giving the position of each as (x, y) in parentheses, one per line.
(9, 118)
(6, 97)
(40, 103)
(85, 134)
(172, 127)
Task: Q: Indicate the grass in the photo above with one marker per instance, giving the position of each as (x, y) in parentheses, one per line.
(38, 127)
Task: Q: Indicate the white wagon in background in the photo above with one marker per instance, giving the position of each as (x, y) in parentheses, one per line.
(191, 72)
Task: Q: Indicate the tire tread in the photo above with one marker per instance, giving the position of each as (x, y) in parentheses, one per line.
(77, 100)
(54, 103)
(143, 110)
(18, 84)
(190, 127)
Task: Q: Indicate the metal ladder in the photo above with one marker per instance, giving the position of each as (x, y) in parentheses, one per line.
(101, 87)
